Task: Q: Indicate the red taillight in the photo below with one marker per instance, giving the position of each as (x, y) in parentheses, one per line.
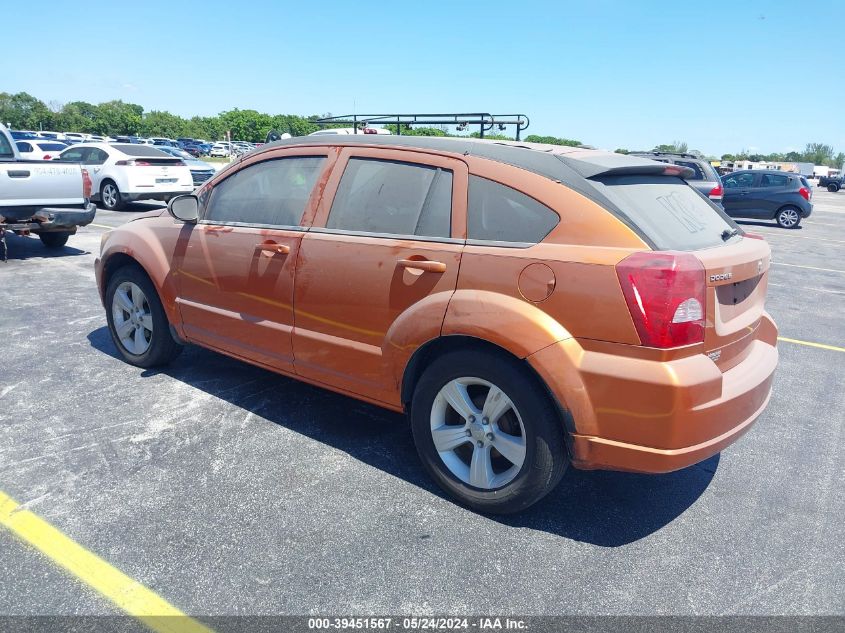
(805, 193)
(755, 236)
(47, 157)
(673, 171)
(86, 184)
(665, 293)
(717, 192)
(368, 130)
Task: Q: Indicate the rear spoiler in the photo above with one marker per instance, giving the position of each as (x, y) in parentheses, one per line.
(612, 164)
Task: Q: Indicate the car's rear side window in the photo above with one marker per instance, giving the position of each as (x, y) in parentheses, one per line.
(668, 211)
(5, 148)
(502, 214)
(394, 198)
(271, 193)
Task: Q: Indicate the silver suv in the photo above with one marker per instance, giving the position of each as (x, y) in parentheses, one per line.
(704, 177)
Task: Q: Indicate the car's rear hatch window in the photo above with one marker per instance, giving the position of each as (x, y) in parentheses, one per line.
(667, 211)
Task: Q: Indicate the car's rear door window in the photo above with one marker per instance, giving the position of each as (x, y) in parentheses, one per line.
(499, 213)
(668, 211)
(271, 193)
(393, 198)
(773, 180)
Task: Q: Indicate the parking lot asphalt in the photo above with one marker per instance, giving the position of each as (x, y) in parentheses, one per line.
(228, 489)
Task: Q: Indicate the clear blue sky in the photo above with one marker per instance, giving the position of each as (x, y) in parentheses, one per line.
(723, 76)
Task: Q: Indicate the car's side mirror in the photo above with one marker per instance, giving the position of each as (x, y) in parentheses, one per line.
(184, 208)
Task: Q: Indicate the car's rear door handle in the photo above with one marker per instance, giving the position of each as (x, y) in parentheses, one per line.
(18, 173)
(273, 247)
(423, 264)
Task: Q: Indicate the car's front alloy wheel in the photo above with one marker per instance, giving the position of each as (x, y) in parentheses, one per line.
(133, 321)
(136, 318)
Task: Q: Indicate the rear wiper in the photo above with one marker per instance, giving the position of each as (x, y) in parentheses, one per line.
(729, 233)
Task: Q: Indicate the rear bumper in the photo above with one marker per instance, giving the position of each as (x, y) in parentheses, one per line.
(650, 416)
(154, 194)
(51, 219)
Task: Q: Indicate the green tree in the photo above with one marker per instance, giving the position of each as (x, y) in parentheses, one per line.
(76, 116)
(620, 150)
(552, 140)
(818, 154)
(23, 111)
(116, 117)
(161, 123)
(677, 147)
(246, 125)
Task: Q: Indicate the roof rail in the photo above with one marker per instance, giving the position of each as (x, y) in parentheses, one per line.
(484, 120)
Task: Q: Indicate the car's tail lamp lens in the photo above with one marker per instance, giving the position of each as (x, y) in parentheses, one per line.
(754, 236)
(805, 193)
(369, 130)
(717, 192)
(86, 184)
(665, 293)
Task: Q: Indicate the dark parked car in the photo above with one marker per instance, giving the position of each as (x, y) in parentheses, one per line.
(831, 183)
(705, 178)
(768, 195)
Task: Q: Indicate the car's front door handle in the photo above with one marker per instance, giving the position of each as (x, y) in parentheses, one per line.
(272, 247)
(18, 173)
(423, 264)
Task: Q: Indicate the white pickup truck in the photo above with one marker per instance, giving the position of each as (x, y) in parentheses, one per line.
(48, 198)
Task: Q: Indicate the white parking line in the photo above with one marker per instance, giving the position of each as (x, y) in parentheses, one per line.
(827, 270)
(833, 292)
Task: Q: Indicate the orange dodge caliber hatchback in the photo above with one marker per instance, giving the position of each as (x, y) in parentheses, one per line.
(528, 305)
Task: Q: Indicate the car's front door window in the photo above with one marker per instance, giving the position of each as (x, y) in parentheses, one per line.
(271, 193)
(739, 181)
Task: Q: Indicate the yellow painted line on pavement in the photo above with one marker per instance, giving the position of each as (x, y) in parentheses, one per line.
(127, 594)
(811, 344)
(827, 270)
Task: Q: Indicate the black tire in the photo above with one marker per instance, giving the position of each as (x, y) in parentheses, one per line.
(109, 201)
(54, 240)
(162, 347)
(788, 217)
(546, 458)
(833, 188)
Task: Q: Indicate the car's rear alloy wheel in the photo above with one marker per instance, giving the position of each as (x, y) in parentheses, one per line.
(110, 196)
(478, 433)
(137, 321)
(133, 321)
(487, 430)
(788, 217)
